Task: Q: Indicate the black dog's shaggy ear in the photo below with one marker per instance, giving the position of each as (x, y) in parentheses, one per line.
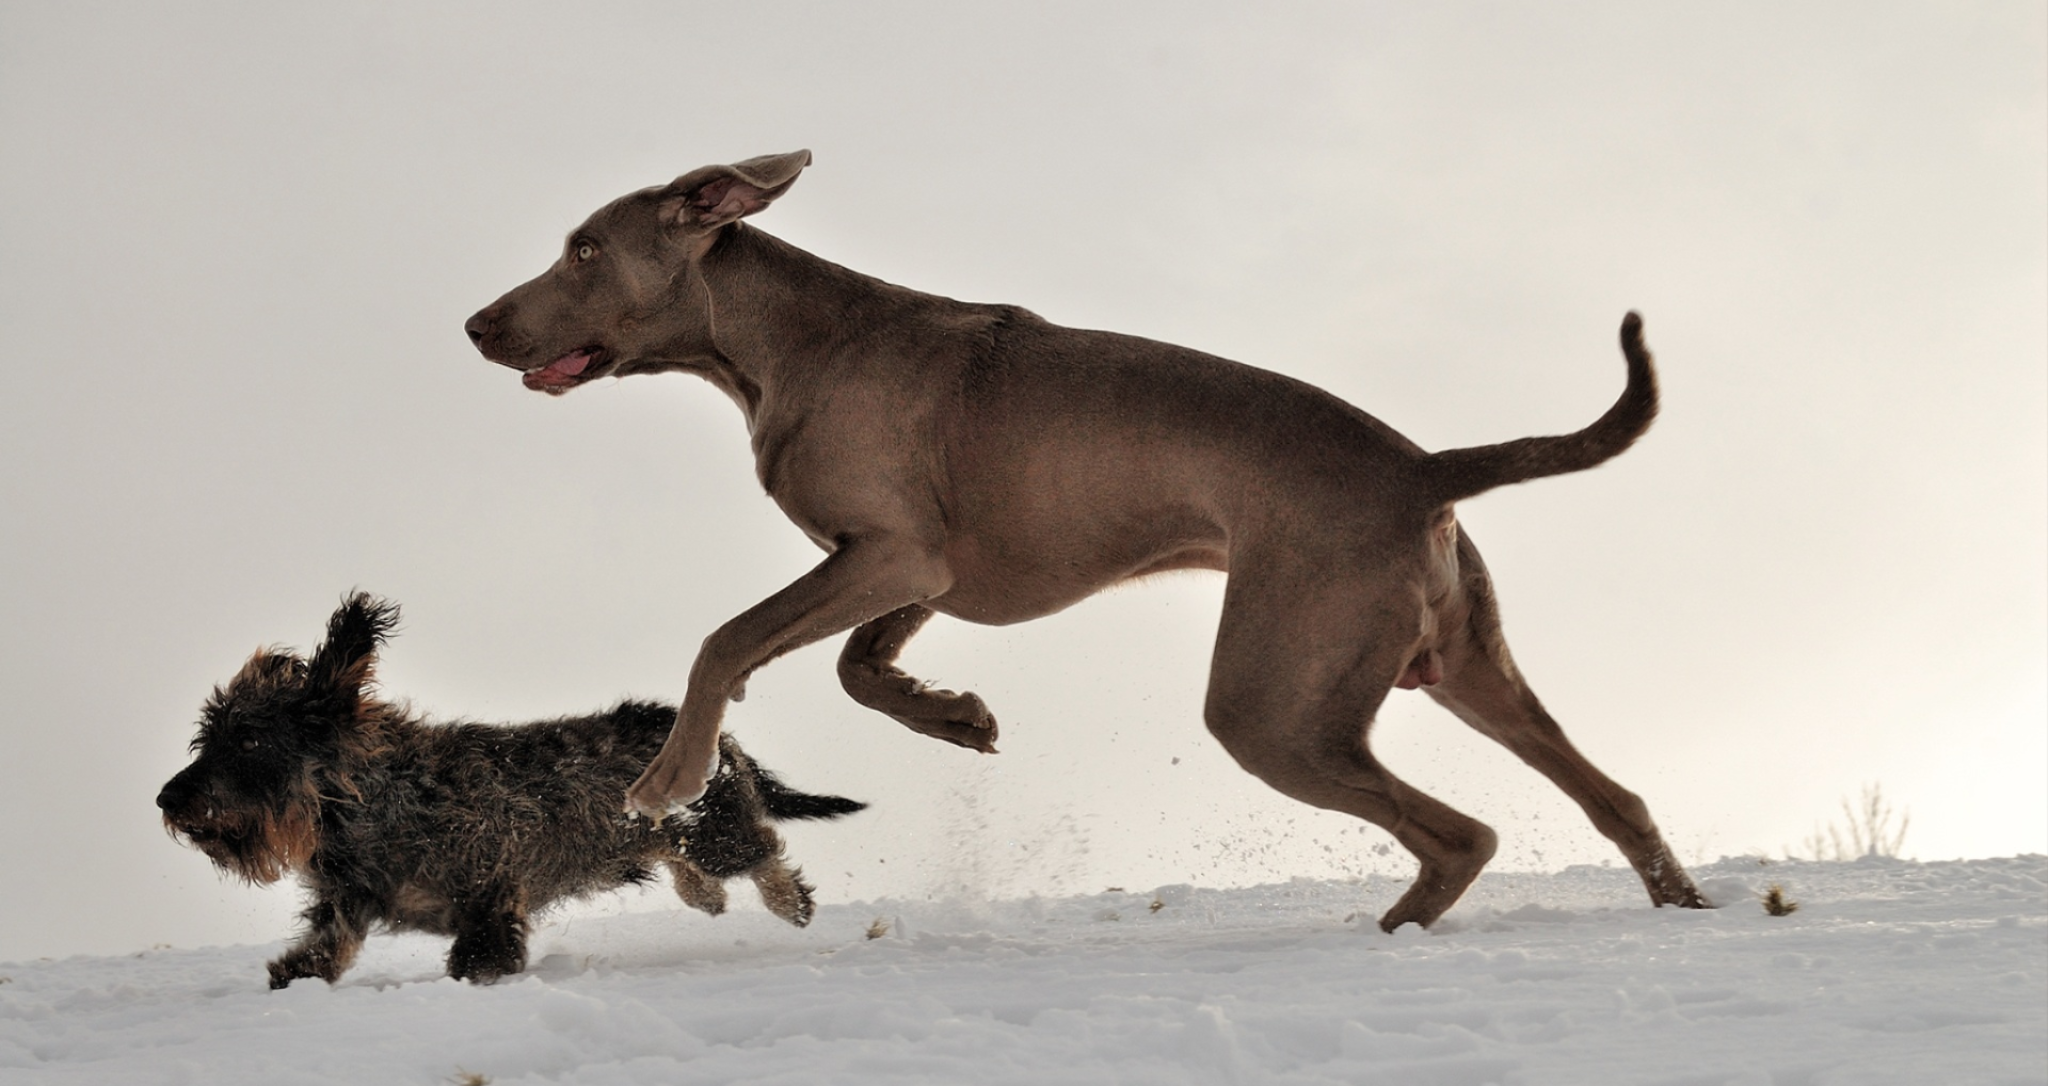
(267, 667)
(711, 196)
(344, 661)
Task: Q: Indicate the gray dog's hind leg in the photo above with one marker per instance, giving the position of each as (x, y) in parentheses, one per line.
(1483, 688)
(1500, 707)
(1493, 699)
(1293, 704)
(868, 671)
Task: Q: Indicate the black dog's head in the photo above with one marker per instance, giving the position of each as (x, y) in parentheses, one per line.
(282, 730)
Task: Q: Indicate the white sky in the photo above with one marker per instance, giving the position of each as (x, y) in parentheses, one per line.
(240, 242)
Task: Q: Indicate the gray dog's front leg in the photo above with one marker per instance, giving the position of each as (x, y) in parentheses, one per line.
(865, 578)
(868, 671)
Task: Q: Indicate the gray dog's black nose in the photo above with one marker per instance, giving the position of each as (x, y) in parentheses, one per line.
(479, 326)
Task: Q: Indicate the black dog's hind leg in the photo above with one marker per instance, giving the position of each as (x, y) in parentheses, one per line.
(490, 935)
(784, 890)
(697, 889)
(729, 837)
(334, 932)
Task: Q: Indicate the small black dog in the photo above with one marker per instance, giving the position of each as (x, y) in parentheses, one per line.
(456, 829)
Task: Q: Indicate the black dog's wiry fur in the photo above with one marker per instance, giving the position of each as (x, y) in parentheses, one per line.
(456, 829)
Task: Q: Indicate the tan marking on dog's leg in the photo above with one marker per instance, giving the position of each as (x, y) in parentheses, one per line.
(784, 891)
(697, 889)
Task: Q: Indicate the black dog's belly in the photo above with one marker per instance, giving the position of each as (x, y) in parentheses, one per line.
(415, 908)
(533, 877)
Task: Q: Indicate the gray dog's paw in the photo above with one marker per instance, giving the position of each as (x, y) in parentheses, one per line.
(960, 719)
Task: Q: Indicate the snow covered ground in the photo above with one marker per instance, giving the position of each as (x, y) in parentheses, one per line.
(1890, 972)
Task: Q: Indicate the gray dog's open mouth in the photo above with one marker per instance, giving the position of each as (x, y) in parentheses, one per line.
(566, 372)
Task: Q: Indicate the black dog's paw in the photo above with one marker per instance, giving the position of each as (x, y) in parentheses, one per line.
(293, 967)
(804, 910)
(484, 956)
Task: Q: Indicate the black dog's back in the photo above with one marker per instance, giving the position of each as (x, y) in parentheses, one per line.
(528, 804)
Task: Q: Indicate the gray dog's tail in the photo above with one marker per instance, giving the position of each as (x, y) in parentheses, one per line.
(1455, 474)
(783, 802)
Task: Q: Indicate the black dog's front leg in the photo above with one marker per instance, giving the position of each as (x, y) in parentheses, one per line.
(334, 932)
(490, 935)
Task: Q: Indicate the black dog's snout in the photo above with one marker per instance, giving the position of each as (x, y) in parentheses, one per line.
(176, 793)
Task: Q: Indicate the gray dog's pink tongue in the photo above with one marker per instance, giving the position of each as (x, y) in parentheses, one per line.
(561, 373)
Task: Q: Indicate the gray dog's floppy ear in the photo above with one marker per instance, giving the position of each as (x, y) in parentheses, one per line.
(343, 662)
(708, 197)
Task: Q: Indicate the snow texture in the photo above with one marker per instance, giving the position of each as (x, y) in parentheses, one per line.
(1889, 972)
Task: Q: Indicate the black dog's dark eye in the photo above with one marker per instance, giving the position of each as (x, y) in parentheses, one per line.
(252, 742)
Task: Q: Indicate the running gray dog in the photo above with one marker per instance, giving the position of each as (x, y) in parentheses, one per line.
(980, 462)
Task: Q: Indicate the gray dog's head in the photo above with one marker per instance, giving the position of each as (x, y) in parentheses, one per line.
(624, 297)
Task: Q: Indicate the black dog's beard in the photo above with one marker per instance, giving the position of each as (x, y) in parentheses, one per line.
(259, 846)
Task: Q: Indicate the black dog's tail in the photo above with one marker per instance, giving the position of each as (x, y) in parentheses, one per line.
(778, 800)
(1463, 473)
(783, 802)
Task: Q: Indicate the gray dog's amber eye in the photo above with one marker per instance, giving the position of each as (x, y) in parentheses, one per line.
(584, 251)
